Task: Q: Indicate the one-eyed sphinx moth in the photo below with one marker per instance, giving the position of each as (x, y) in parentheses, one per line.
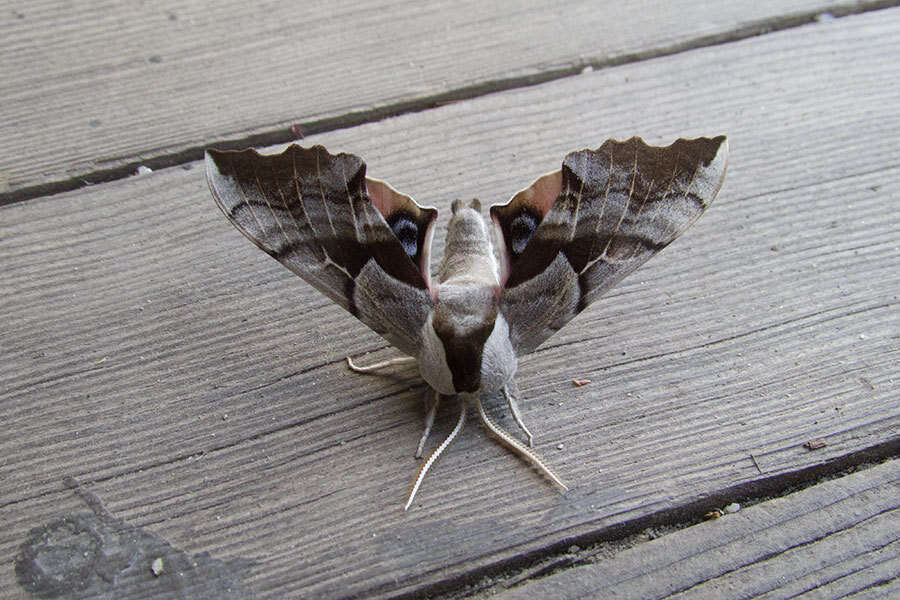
(502, 287)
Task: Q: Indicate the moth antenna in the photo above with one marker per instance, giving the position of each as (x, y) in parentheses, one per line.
(516, 446)
(429, 418)
(401, 360)
(437, 452)
(510, 392)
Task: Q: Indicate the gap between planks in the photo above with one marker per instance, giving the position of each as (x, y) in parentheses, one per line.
(283, 135)
(739, 552)
(575, 553)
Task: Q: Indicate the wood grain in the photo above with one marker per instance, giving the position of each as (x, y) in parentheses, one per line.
(90, 91)
(834, 540)
(198, 388)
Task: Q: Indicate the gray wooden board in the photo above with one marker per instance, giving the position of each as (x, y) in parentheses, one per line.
(198, 388)
(837, 539)
(91, 89)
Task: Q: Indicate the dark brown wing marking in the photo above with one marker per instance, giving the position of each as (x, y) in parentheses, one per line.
(615, 207)
(314, 213)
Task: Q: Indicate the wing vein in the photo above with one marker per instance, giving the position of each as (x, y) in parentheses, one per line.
(285, 205)
(300, 199)
(687, 191)
(246, 201)
(322, 193)
(612, 235)
(578, 200)
(600, 216)
(356, 229)
(662, 201)
(265, 197)
(635, 249)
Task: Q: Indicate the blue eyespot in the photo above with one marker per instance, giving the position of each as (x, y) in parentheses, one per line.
(520, 231)
(407, 232)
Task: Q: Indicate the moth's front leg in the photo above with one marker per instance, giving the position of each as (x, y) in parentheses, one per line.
(400, 360)
(511, 393)
(432, 397)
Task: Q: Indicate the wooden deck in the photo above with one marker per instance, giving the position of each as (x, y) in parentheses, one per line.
(177, 419)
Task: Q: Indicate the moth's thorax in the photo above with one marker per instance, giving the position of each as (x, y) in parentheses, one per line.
(468, 255)
(466, 345)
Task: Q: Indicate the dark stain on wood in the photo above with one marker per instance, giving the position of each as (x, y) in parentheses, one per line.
(95, 555)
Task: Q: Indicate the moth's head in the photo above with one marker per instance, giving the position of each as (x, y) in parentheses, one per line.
(458, 206)
(466, 347)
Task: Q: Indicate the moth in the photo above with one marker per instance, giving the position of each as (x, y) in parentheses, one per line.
(503, 286)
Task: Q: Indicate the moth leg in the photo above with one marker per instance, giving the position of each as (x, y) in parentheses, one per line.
(401, 360)
(511, 393)
(435, 399)
(516, 446)
(423, 470)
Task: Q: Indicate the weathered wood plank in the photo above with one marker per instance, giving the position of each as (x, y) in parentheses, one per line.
(91, 90)
(150, 350)
(836, 539)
